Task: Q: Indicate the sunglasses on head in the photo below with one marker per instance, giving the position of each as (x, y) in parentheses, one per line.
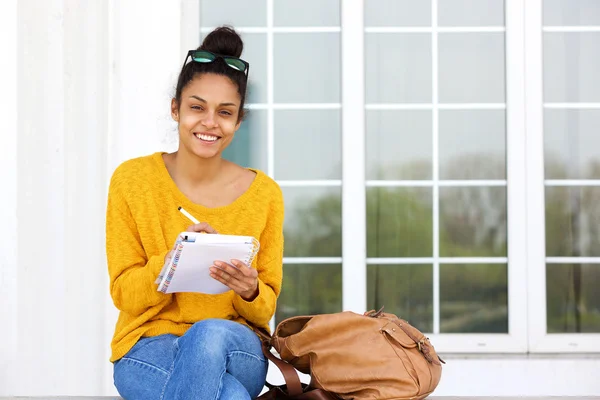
(205, 57)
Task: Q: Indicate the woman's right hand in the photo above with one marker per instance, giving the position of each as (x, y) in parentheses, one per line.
(201, 227)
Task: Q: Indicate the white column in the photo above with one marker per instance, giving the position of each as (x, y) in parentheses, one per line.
(8, 200)
(41, 293)
(85, 125)
(354, 251)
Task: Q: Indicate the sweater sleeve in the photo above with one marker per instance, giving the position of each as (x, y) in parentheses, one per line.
(132, 272)
(270, 269)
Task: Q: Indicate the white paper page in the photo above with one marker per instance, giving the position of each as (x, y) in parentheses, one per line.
(193, 274)
(198, 237)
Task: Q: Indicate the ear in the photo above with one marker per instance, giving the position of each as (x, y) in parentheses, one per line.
(175, 110)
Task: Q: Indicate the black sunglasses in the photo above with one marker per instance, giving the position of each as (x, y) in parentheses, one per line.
(205, 57)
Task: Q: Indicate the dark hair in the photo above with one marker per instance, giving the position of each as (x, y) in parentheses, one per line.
(225, 41)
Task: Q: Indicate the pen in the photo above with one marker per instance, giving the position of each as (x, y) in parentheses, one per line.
(187, 214)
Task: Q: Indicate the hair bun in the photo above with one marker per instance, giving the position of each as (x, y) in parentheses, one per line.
(225, 41)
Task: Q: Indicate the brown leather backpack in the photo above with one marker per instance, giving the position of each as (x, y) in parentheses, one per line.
(352, 356)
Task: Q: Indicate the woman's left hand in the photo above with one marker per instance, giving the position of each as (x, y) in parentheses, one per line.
(238, 277)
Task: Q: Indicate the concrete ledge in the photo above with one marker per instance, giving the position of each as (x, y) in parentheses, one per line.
(431, 397)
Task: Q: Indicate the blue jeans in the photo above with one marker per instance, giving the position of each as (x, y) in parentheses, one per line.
(215, 359)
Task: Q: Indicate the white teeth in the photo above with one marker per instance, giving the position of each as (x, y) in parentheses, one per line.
(208, 138)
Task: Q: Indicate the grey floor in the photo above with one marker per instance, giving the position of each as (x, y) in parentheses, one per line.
(431, 397)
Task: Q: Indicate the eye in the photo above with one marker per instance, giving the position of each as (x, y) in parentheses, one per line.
(224, 112)
(196, 107)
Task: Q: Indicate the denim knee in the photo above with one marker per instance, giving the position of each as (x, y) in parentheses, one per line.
(213, 337)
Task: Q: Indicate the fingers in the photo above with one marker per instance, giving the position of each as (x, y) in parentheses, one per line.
(201, 227)
(169, 256)
(240, 278)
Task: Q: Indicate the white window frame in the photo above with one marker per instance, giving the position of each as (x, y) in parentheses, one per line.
(524, 182)
(354, 181)
(539, 340)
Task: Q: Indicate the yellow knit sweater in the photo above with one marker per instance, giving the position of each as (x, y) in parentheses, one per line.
(142, 223)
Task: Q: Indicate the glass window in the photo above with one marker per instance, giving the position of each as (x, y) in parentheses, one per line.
(571, 143)
(573, 298)
(248, 147)
(398, 67)
(472, 144)
(399, 144)
(571, 64)
(405, 290)
(571, 13)
(397, 13)
(310, 289)
(571, 60)
(293, 132)
(471, 67)
(313, 221)
(306, 67)
(237, 13)
(474, 298)
(255, 52)
(306, 13)
(436, 192)
(470, 12)
(308, 144)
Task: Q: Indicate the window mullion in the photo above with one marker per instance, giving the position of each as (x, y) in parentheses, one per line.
(354, 278)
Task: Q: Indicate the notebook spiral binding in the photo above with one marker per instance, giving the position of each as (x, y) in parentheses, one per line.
(173, 267)
(255, 247)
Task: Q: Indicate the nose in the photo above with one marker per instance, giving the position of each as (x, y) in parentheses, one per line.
(209, 120)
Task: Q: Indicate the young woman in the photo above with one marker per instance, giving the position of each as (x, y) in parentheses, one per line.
(190, 345)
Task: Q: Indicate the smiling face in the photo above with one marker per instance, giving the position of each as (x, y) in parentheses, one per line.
(208, 115)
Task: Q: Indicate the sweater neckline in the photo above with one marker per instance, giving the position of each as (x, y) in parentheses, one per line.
(186, 202)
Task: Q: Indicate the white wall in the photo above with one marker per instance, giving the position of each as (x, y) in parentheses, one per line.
(86, 85)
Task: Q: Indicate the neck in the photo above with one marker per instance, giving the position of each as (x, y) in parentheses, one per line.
(195, 170)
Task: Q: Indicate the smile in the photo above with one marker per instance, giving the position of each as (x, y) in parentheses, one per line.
(206, 137)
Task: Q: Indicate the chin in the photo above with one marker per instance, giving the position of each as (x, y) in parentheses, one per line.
(206, 153)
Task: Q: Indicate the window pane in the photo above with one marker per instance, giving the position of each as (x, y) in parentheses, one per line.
(474, 298)
(572, 144)
(472, 144)
(471, 67)
(397, 13)
(573, 298)
(249, 146)
(313, 221)
(399, 144)
(308, 144)
(570, 12)
(404, 290)
(398, 67)
(307, 13)
(233, 12)
(573, 221)
(307, 67)
(473, 221)
(310, 289)
(399, 222)
(470, 12)
(571, 65)
(255, 52)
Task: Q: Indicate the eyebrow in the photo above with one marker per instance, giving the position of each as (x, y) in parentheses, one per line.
(204, 101)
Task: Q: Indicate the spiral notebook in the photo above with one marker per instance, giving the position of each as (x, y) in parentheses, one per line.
(195, 253)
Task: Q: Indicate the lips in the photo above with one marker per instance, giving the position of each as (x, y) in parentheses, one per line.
(207, 137)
